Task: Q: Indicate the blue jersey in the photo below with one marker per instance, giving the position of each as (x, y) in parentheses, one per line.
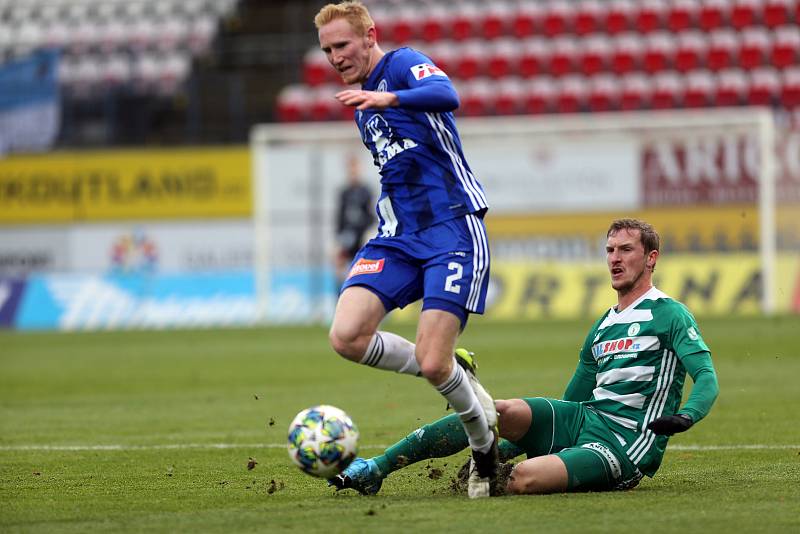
(425, 179)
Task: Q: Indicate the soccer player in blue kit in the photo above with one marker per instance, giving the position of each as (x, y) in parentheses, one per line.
(431, 243)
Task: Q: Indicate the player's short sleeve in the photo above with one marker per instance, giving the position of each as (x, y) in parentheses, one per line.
(685, 334)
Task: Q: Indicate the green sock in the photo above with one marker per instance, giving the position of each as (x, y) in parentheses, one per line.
(436, 440)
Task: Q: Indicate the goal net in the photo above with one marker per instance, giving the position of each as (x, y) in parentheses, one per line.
(722, 187)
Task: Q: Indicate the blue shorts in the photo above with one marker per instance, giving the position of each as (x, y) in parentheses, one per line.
(446, 265)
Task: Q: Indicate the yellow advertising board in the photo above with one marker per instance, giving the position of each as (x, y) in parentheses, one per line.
(126, 184)
(709, 284)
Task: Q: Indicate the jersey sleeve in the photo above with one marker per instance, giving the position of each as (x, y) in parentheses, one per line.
(693, 352)
(424, 86)
(584, 380)
(685, 334)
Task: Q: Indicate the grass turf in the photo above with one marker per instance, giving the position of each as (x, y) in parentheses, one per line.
(131, 420)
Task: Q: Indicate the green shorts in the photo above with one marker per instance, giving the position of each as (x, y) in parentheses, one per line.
(580, 437)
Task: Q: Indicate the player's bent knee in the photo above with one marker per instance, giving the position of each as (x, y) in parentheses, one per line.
(545, 474)
(434, 371)
(347, 344)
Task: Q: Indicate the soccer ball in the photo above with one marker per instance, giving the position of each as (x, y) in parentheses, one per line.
(322, 441)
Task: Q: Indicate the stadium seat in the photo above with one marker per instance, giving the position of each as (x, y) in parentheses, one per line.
(470, 61)
(636, 91)
(571, 93)
(464, 21)
(713, 14)
(777, 12)
(745, 13)
(202, 30)
(533, 57)
(650, 15)
(699, 91)
(316, 69)
(557, 18)
(763, 86)
(754, 47)
(293, 103)
(722, 49)
(405, 22)
(682, 14)
(492, 23)
(588, 17)
(668, 90)
(785, 46)
(501, 57)
(691, 51)
(526, 19)
(730, 88)
(477, 98)
(509, 96)
(619, 14)
(115, 70)
(790, 87)
(604, 92)
(323, 105)
(563, 57)
(443, 54)
(627, 52)
(539, 96)
(594, 54)
(659, 50)
(433, 23)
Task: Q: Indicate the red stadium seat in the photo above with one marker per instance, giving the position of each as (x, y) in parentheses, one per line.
(619, 15)
(564, 56)
(443, 54)
(692, 50)
(476, 98)
(785, 46)
(627, 52)
(588, 17)
(509, 94)
(595, 52)
(501, 57)
(763, 86)
(540, 95)
(790, 87)
(526, 19)
(557, 18)
(433, 24)
(650, 15)
(682, 14)
(533, 57)
(699, 89)
(293, 103)
(464, 22)
(745, 13)
(470, 61)
(571, 94)
(324, 106)
(755, 44)
(731, 87)
(723, 48)
(604, 92)
(659, 51)
(636, 91)
(668, 90)
(406, 22)
(713, 14)
(777, 12)
(494, 19)
(316, 69)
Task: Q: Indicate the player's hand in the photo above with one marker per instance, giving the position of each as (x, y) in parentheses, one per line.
(671, 424)
(366, 99)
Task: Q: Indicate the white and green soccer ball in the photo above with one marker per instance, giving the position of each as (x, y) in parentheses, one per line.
(323, 440)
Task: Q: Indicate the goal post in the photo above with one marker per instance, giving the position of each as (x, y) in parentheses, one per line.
(705, 178)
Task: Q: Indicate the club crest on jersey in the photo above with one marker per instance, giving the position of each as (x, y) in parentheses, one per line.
(379, 133)
(365, 266)
(633, 329)
(382, 86)
(424, 70)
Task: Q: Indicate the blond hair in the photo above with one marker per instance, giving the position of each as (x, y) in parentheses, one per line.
(353, 12)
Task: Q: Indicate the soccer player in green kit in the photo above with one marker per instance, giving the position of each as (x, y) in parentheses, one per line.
(619, 408)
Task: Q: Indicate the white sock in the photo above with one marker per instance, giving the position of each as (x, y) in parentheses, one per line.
(391, 352)
(461, 397)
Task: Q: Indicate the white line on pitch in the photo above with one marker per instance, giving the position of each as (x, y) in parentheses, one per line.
(201, 446)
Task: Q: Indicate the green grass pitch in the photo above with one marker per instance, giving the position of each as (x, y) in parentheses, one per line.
(153, 431)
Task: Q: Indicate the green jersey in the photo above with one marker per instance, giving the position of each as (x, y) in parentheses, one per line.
(637, 360)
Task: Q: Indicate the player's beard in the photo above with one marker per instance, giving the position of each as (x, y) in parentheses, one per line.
(627, 287)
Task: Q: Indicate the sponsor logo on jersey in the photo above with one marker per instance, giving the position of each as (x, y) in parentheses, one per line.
(692, 333)
(365, 266)
(633, 329)
(378, 131)
(625, 344)
(423, 70)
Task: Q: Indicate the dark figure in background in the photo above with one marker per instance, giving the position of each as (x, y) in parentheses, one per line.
(353, 218)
